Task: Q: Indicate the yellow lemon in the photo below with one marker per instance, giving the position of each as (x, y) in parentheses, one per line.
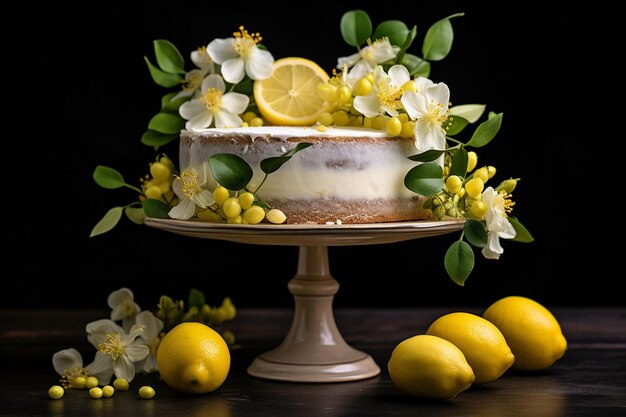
(531, 331)
(429, 366)
(289, 96)
(193, 358)
(482, 344)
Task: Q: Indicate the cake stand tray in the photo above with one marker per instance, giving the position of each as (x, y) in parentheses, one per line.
(313, 350)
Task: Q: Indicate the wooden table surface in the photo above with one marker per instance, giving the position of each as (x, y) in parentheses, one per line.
(589, 381)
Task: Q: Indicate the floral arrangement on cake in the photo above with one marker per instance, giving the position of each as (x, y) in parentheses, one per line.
(235, 82)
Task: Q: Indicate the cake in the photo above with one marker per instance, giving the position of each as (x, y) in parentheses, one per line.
(348, 175)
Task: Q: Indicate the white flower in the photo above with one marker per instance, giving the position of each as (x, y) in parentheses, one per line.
(117, 351)
(376, 53)
(429, 108)
(69, 364)
(241, 55)
(214, 105)
(386, 92)
(150, 336)
(193, 79)
(200, 57)
(189, 189)
(498, 225)
(123, 307)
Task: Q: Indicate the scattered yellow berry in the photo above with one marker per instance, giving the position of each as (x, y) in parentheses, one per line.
(160, 171)
(454, 183)
(146, 392)
(325, 119)
(80, 382)
(220, 194)
(367, 122)
(153, 192)
(229, 308)
(379, 122)
(276, 216)
(393, 126)
(164, 186)
(478, 209)
(120, 384)
(245, 124)
(91, 382)
(403, 117)
(408, 129)
(235, 220)
(343, 94)
(95, 392)
(248, 116)
(341, 118)
(254, 215)
(256, 122)
(245, 200)
(362, 87)
(482, 173)
(356, 121)
(55, 392)
(472, 160)
(108, 391)
(321, 128)
(232, 208)
(474, 187)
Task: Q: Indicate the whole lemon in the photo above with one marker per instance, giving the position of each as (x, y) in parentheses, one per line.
(193, 358)
(429, 366)
(531, 331)
(481, 342)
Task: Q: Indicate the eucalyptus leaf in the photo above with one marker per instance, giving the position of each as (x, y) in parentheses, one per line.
(459, 261)
(230, 171)
(272, 164)
(156, 209)
(410, 37)
(395, 30)
(196, 299)
(427, 156)
(425, 179)
(475, 233)
(157, 139)
(455, 125)
(459, 163)
(438, 41)
(168, 57)
(171, 106)
(168, 123)
(470, 112)
(356, 27)
(108, 178)
(486, 131)
(416, 65)
(161, 77)
(108, 222)
(522, 234)
(135, 214)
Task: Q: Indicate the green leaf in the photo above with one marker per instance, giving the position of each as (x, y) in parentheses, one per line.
(196, 299)
(475, 233)
(156, 209)
(459, 261)
(455, 125)
(522, 234)
(167, 123)
(438, 40)
(416, 65)
(108, 222)
(169, 106)
(459, 163)
(244, 87)
(272, 164)
(168, 57)
(486, 131)
(470, 112)
(261, 204)
(161, 77)
(425, 179)
(135, 214)
(427, 156)
(492, 114)
(356, 27)
(395, 30)
(230, 171)
(410, 37)
(157, 139)
(108, 178)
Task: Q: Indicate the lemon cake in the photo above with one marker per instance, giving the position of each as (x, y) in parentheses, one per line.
(349, 175)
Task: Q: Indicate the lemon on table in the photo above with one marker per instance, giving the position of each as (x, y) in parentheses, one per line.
(532, 332)
(289, 96)
(193, 358)
(482, 344)
(429, 366)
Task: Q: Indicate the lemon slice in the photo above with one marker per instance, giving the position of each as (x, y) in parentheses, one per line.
(289, 96)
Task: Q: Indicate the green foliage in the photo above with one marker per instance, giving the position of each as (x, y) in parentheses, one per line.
(438, 40)
(135, 214)
(168, 57)
(455, 125)
(167, 123)
(356, 27)
(162, 78)
(425, 179)
(470, 112)
(486, 131)
(108, 222)
(108, 178)
(230, 171)
(459, 261)
(475, 233)
(522, 234)
(417, 66)
(157, 139)
(196, 298)
(427, 156)
(272, 164)
(156, 209)
(395, 30)
(459, 163)
(410, 37)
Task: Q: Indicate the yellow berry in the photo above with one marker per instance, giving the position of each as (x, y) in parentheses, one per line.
(108, 391)
(341, 118)
(370, 77)
(220, 194)
(229, 338)
(209, 216)
(379, 122)
(408, 129)
(245, 200)
(146, 392)
(248, 116)
(167, 162)
(164, 187)
(403, 117)
(393, 126)
(55, 392)
(153, 192)
(507, 185)
(461, 193)
(478, 209)
(362, 87)
(245, 124)
(343, 94)
(491, 170)
(325, 119)
(454, 183)
(446, 171)
(254, 215)
(95, 392)
(231, 207)
(235, 220)
(276, 216)
(160, 171)
(229, 308)
(326, 91)
(367, 122)
(356, 121)
(409, 86)
(321, 128)
(482, 173)
(472, 160)
(91, 382)
(80, 382)
(120, 384)
(474, 187)
(256, 122)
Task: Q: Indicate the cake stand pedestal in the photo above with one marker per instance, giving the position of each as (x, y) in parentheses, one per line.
(313, 350)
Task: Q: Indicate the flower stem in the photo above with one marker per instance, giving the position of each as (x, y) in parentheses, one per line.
(454, 140)
(133, 188)
(262, 182)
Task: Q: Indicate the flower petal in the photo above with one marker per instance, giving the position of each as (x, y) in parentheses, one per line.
(415, 104)
(381, 51)
(177, 187)
(124, 368)
(150, 364)
(200, 121)
(259, 64)
(233, 70)
(508, 231)
(182, 93)
(183, 210)
(422, 83)
(221, 50)
(428, 136)
(348, 60)
(203, 199)
(119, 297)
(399, 75)
(227, 119)
(213, 81)
(191, 109)
(439, 94)
(104, 377)
(101, 363)
(66, 359)
(152, 325)
(368, 105)
(201, 59)
(103, 326)
(136, 352)
(492, 249)
(235, 103)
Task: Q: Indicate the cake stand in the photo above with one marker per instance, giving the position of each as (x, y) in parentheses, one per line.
(313, 350)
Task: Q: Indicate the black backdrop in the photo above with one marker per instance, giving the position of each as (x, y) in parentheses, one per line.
(86, 99)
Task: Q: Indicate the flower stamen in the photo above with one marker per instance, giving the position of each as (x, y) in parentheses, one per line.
(113, 346)
(190, 183)
(212, 100)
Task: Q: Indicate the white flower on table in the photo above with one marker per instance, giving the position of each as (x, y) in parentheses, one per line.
(498, 225)
(240, 55)
(69, 364)
(213, 106)
(428, 106)
(189, 188)
(369, 57)
(123, 307)
(386, 92)
(117, 351)
(151, 337)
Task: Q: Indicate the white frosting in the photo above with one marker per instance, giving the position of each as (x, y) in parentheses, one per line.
(293, 132)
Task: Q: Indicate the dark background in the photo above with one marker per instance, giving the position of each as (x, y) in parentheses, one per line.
(85, 97)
